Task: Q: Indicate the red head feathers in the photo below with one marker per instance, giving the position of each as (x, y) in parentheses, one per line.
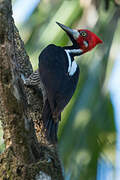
(83, 39)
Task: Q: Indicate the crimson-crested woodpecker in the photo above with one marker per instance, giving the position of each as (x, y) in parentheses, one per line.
(59, 74)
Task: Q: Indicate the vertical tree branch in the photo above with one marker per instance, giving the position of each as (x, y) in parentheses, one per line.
(27, 156)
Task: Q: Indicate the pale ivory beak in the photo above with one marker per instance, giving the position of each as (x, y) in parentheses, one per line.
(75, 34)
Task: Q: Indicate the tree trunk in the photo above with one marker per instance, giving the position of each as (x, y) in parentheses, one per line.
(28, 154)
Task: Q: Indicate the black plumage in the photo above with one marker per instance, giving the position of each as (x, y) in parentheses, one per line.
(59, 86)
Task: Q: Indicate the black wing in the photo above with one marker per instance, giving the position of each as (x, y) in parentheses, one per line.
(53, 66)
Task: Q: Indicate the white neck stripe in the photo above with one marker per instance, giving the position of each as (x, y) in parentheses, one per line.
(75, 51)
(69, 60)
(72, 65)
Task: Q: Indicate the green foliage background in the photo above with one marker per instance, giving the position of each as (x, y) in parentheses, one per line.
(87, 129)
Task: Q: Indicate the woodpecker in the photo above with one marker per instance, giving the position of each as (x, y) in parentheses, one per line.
(59, 74)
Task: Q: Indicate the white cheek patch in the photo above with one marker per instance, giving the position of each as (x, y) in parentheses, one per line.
(85, 43)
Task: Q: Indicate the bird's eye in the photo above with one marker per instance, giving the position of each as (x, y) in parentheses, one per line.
(83, 33)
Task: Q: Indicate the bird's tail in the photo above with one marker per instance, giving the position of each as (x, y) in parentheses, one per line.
(49, 123)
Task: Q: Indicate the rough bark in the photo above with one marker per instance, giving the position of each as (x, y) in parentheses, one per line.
(28, 154)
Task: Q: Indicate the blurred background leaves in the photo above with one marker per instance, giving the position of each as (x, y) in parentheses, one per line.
(87, 132)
